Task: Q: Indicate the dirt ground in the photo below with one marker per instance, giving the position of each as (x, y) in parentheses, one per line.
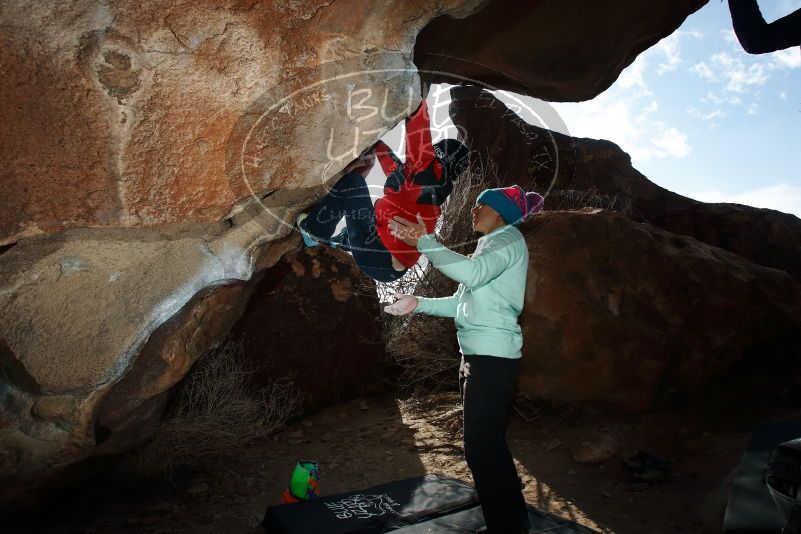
(373, 441)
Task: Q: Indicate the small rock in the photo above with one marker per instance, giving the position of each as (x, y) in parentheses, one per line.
(571, 472)
(597, 449)
(198, 489)
(362, 404)
(606, 494)
(342, 414)
(295, 434)
(553, 444)
(389, 434)
(307, 423)
(325, 438)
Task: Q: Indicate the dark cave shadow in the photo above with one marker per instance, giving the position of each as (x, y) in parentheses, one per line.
(703, 433)
(112, 500)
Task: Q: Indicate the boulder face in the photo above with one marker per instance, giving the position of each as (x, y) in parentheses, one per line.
(556, 51)
(132, 114)
(297, 318)
(314, 318)
(97, 327)
(624, 313)
(572, 172)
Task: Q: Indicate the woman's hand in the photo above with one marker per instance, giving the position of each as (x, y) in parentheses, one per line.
(405, 305)
(406, 230)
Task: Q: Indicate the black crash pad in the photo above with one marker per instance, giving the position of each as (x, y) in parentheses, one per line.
(423, 505)
(470, 520)
(373, 510)
(751, 509)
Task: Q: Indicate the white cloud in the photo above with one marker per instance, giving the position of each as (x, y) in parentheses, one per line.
(628, 120)
(714, 114)
(704, 71)
(736, 72)
(776, 10)
(738, 75)
(717, 100)
(633, 76)
(783, 95)
(669, 47)
(787, 59)
(672, 142)
(781, 197)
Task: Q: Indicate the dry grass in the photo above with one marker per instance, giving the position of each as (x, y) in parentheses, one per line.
(571, 199)
(216, 412)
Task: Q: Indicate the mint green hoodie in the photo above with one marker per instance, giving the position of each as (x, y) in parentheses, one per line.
(492, 285)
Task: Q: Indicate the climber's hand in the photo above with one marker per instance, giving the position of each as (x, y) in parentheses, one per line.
(363, 163)
(405, 305)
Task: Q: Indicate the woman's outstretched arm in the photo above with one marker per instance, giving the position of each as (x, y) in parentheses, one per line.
(485, 265)
(441, 307)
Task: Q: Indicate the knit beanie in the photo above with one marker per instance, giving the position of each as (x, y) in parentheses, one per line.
(453, 155)
(512, 203)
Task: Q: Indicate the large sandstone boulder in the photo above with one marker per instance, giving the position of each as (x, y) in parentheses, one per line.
(100, 343)
(557, 51)
(572, 171)
(623, 313)
(314, 318)
(98, 325)
(134, 114)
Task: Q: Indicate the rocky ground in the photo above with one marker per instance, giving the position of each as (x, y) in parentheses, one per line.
(372, 441)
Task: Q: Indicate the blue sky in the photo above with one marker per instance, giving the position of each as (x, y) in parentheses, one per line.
(697, 114)
(701, 117)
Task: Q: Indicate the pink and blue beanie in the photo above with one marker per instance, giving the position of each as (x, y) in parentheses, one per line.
(512, 203)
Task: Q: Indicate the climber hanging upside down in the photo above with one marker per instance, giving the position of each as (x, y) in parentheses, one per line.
(420, 185)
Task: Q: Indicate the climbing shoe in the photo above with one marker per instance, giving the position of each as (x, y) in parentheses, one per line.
(308, 239)
(341, 240)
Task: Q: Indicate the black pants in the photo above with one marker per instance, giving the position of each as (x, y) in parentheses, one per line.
(486, 384)
(350, 198)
